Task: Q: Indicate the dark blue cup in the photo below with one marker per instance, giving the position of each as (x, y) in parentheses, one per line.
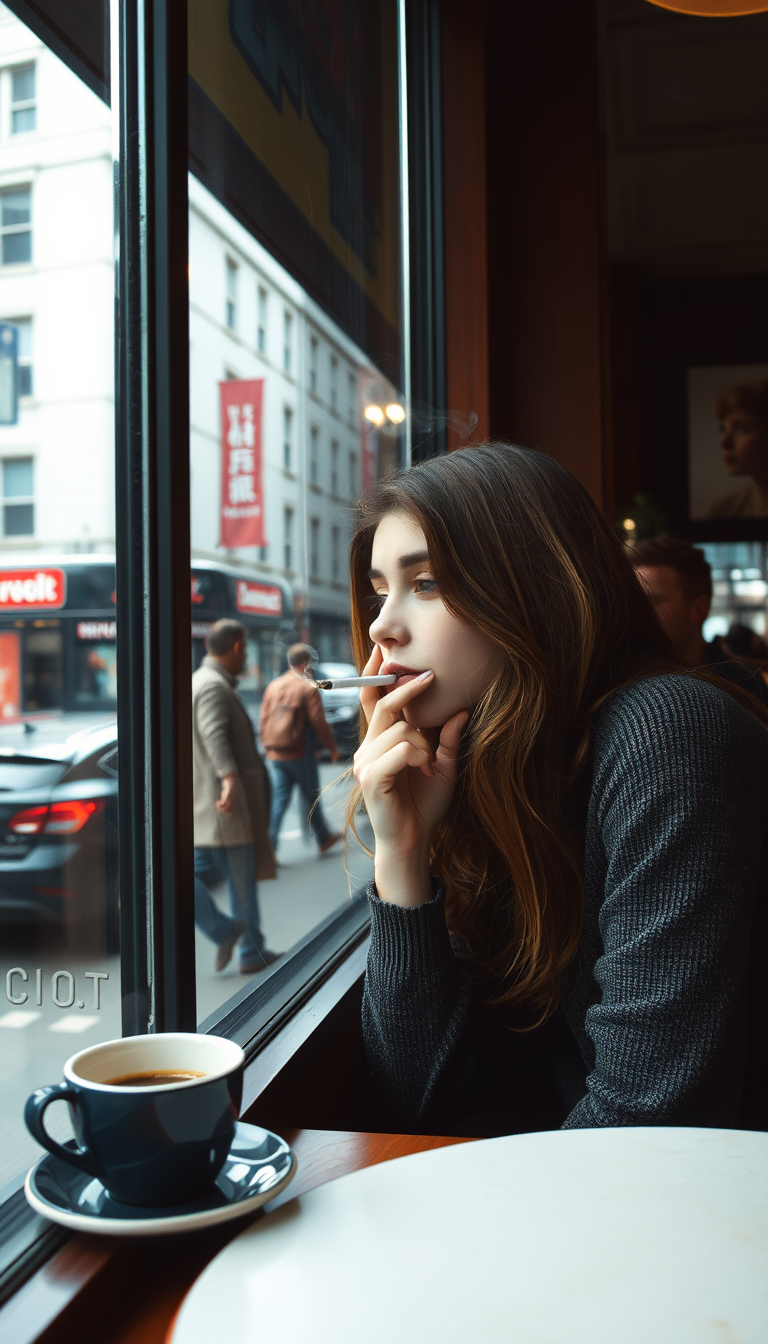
(155, 1144)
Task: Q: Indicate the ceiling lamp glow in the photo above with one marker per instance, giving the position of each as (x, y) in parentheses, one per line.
(713, 9)
(374, 413)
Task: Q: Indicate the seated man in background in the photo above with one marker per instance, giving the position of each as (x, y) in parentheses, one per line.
(678, 580)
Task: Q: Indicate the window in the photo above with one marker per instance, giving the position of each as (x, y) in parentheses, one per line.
(23, 327)
(231, 304)
(352, 395)
(335, 553)
(287, 341)
(334, 383)
(353, 474)
(334, 466)
(18, 497)
(261, 328)
(16, 225)
(287, 438)
(313, 348)
(264, 554)
(314, 449)
(288, 515)
(23, 105)
(314, 548)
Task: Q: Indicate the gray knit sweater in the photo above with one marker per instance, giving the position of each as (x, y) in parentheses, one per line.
(664, 1021)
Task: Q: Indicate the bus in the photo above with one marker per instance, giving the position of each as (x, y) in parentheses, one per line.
(58, 630)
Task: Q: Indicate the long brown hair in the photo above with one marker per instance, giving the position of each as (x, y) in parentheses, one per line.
(520, 552)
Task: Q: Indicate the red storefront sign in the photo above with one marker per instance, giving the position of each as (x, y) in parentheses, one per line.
(10, 674)
(260, 597)
(242, 486)
(29, 589)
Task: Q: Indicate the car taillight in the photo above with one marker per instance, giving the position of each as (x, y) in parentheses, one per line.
(56, 819)
(29, 822)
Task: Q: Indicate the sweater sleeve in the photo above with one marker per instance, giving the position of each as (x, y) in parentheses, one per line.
(677, 824)
(422, 1034)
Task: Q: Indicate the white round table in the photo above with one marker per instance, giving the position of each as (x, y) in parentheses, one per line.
(599, 1236)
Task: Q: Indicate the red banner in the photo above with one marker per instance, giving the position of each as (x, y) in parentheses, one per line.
(242, 485)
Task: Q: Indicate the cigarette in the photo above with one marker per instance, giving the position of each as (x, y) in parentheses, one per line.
(341, 683)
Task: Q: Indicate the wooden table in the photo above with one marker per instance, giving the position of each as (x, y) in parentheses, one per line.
(108, 1291)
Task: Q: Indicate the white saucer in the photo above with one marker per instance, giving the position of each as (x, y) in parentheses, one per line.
(258, 1167)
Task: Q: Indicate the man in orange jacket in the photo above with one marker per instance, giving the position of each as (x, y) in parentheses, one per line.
(291, 704)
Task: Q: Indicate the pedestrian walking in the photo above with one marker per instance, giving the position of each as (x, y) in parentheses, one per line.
(292, 709)
(232, 804)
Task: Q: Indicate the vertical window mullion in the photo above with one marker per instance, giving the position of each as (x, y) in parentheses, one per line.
(152, 498)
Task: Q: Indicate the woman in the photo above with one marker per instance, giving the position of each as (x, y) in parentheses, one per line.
(742, 410)
(568, 907)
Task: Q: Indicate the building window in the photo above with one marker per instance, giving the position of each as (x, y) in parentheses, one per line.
(287, 341)
(314, 448)
(287, 538)
(16, 225)
(334, 466)
(231, 304)
(352, 394)
(264, 554)
(18, 497)
(23, 104)
(261, 328)
(23, 327)
(353, 474)
(313, 346)
(335, 553)
(334, 383)
(287, 438)
(314, 548)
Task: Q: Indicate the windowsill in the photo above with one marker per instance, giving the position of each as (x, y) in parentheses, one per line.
(289, 475)
(315, 488)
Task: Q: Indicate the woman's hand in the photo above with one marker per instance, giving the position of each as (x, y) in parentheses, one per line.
(406, 785)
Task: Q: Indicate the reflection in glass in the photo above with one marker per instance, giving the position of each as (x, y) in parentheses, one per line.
(295, 190)
(59, 898)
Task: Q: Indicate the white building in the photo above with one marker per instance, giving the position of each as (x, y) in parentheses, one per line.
(57, 286)
(248, 319)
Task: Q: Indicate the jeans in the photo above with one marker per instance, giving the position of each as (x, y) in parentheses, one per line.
(304, 774)
(236, 865)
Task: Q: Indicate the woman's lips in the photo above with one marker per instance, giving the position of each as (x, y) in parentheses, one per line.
(404, 674)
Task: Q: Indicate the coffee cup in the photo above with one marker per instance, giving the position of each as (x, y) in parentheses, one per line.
(154, 1116)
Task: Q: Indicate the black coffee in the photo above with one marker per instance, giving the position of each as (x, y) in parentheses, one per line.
(159, 1078)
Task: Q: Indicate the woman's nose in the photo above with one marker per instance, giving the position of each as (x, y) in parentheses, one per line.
(386, 628)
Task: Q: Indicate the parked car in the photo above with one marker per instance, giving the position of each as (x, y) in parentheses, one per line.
(58, 827)
(342, 707)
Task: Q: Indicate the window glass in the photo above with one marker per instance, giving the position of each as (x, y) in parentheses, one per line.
(295, 152)
(15, 225)
(23, 108)
(59, 970)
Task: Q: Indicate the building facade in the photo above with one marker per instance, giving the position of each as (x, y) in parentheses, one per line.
(248, 320)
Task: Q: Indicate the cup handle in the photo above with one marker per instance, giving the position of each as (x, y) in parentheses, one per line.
(34, 1111)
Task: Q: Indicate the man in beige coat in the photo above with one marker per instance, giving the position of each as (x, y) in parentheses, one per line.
(232, 802)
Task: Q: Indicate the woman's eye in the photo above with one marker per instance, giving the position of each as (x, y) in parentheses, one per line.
(425, 586)
(376, 601)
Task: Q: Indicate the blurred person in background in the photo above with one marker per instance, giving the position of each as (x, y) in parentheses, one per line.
(291, 712)
(742, 410)
(678, 580)
(232, 804)
(743, 642)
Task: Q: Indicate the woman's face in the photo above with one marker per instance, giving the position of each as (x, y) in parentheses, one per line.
(416, 632)
(744, 444)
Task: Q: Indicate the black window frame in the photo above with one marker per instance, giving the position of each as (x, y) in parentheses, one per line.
(148, 81)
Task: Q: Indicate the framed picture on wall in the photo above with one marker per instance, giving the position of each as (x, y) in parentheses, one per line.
(728, 448)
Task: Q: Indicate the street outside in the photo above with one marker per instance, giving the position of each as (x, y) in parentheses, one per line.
(36, 1038)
